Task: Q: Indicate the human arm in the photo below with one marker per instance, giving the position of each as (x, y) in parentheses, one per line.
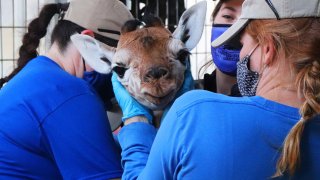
(136, 137)
(79, 138)
(146, 158)
(178, 149)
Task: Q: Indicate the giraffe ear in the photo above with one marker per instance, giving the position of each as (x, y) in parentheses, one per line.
(191, 25)
(98, 57)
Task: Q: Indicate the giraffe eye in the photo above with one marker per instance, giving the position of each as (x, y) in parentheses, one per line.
(182, 55)
(119, 70)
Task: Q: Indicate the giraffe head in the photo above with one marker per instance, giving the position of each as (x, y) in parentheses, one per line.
(149, 60)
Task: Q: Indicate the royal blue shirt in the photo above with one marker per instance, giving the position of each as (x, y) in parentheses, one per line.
(53, 126)
(212, 136)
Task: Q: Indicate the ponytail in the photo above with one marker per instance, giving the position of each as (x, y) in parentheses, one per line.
(30, 42)
(309, 86)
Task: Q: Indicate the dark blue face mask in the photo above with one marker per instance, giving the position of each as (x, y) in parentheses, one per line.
(102, 85)
(226, 56)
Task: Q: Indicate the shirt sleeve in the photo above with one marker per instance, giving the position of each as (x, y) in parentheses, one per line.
(136, 140)
(79, 137)
(145, 156)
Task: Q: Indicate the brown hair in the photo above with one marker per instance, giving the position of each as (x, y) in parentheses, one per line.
(299, 40)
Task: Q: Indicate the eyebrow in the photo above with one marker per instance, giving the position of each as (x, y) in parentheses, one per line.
(230, 8)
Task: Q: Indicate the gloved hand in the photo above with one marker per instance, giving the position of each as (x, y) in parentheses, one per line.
(130, 107)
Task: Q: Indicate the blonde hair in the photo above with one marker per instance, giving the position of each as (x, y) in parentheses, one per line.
(299, 40)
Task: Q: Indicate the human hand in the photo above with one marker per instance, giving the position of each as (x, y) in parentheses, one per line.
(130, 107)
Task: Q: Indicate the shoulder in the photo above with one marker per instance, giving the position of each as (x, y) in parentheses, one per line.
(49, 76)
(45, 86)
(197, 97)
(203, 107)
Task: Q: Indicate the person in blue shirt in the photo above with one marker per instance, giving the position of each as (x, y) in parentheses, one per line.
(53, 125)
(270, 132)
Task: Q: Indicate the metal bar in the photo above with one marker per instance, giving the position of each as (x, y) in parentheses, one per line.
(136, 8)
(177, 13)
(157, 8)
(25, 13)
(172, 11)
(13, 34)
(167, 12)
(1, 40)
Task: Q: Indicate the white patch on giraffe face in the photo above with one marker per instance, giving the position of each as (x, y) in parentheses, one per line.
(154, 93)
(122, 59)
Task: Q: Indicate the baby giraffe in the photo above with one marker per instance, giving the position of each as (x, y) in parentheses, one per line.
(149, 60)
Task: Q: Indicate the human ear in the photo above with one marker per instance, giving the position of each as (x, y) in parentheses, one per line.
(269, 51)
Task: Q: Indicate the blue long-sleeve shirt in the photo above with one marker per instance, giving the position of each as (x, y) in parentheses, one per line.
(211, 136)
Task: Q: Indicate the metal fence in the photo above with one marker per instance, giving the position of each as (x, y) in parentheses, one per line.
(168, 10)
(16, 14)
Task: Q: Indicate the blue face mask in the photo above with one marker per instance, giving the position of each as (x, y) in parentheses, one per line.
(225, 57)
(102, 85)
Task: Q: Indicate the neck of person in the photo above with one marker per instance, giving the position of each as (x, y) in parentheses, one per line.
(279, 89)
(224, 82)
(55, 55)
(63, 59)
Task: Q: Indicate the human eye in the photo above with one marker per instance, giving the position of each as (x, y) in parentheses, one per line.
(228, 17)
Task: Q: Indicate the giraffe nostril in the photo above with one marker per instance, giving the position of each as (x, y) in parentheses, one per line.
(157, 73)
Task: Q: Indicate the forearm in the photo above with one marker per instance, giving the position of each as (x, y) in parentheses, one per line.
(136, 139)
